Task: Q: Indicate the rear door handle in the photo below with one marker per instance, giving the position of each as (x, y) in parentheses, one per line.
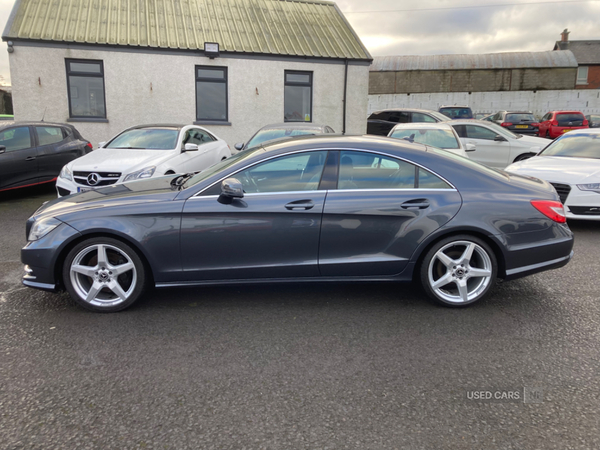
(30, 158)
(419, 203)
(299, 205)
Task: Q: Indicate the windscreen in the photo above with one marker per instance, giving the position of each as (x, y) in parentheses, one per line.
(520, 117)
(570, 119)
(435, 138)
(146, 139)
(457, 113)
(576, 146)
(269, 135)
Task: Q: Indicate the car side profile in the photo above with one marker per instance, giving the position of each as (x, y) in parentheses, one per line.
(35, 152)
(496, 146)
(316, 208)
(143, 151)
(556, 123)
(380, 123)
(439, 135)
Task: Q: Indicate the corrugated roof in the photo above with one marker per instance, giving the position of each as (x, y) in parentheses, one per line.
(586, 52)
(515, 60)
(311, 28)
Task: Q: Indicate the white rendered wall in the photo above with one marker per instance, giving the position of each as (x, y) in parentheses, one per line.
(146, 88)
(539, 103)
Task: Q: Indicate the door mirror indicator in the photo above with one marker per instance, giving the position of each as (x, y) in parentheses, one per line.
(190, 148)
(232, 188)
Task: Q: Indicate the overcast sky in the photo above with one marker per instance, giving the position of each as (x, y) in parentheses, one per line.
(431, 27)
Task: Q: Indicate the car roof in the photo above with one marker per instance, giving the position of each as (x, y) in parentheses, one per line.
(455, 106)
(566, 112)
(424, 125)
(23, 123)
(294, 125)
(469, 121)
(404, 109)
(157, 125)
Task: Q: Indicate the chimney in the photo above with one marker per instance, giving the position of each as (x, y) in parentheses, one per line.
(564, 36)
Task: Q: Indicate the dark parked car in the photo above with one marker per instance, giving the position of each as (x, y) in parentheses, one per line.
(35, 152)
(517, 122)
(593, 120)
(316, 208)
(282, 130)
(381, 122)
(457, 112)
(556, 123)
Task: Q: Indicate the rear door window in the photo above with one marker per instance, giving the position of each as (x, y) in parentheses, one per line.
(399, 117)
(419, 117)
(49, 135)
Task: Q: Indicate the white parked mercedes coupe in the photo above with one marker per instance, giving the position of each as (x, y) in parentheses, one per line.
(572, 165)
(143, 152)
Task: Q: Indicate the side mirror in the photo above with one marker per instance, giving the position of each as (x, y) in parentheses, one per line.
(499, 138)
(190, 148)
(232, 188)
(239, 146)
(102, 144)
(2, 148)
(470, 147)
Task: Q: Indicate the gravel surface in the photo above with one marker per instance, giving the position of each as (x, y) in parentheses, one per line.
(301, 366)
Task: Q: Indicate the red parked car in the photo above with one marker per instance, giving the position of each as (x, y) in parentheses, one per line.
(556, 123)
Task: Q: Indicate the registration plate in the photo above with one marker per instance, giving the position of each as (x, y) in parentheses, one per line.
(80, 189)
(522, 126)
(568, 129)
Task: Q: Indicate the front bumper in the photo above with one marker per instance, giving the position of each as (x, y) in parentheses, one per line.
(42, 256)
(582, 205)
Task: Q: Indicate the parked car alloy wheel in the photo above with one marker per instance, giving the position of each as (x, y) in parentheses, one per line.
(458, 270)
(104, 274)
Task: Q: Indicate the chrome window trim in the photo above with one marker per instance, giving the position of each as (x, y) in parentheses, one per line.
(336, 149)
(258, 194)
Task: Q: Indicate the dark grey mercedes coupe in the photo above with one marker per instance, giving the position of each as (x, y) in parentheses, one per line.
(319, 208)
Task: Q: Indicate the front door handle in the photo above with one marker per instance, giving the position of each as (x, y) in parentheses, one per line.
(30, 158)
(419, 203)
(300, 205)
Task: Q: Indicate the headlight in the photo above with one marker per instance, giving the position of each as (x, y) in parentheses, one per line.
(147, 172)
(66, 173)
(590, 187)
(42, 228)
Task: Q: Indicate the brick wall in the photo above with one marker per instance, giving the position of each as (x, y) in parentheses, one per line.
(480, 80)
(593, 79)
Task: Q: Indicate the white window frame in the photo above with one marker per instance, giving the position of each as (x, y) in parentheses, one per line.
(581, 78)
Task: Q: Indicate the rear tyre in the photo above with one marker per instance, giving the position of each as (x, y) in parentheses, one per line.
(104, 274)
(458, 271)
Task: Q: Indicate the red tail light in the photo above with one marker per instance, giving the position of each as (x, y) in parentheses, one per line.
(89, 144)
(585, 123)
(535, 124)
(551, 209)
(506, 124)
(554, 123)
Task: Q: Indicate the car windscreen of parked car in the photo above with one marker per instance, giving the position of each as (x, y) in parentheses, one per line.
(577, 146)
(457, 112)
(570, 119)
(269, 135)
(146, 139)
(434, 138)
(520, 117)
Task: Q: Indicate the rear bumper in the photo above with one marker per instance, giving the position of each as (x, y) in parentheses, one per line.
(555, 132)
(527, 258)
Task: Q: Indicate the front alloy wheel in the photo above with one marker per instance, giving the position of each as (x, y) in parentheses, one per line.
(103, 274)
(458, 271)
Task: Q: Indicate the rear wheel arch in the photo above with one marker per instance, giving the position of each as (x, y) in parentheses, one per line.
(494, 245)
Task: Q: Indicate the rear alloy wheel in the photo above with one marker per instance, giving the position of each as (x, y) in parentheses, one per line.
(104, 274)
(458, 271)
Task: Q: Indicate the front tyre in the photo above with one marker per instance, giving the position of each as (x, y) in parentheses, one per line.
(458, 271)
(104, 274)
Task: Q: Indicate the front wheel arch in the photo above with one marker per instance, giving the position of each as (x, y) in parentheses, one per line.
(523, 156)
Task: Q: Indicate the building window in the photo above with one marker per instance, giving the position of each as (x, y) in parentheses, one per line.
(297, 104)
(211, 93)
(85, 84)
(582, 75)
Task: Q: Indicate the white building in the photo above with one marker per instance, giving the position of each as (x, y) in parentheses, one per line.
(106, 65)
